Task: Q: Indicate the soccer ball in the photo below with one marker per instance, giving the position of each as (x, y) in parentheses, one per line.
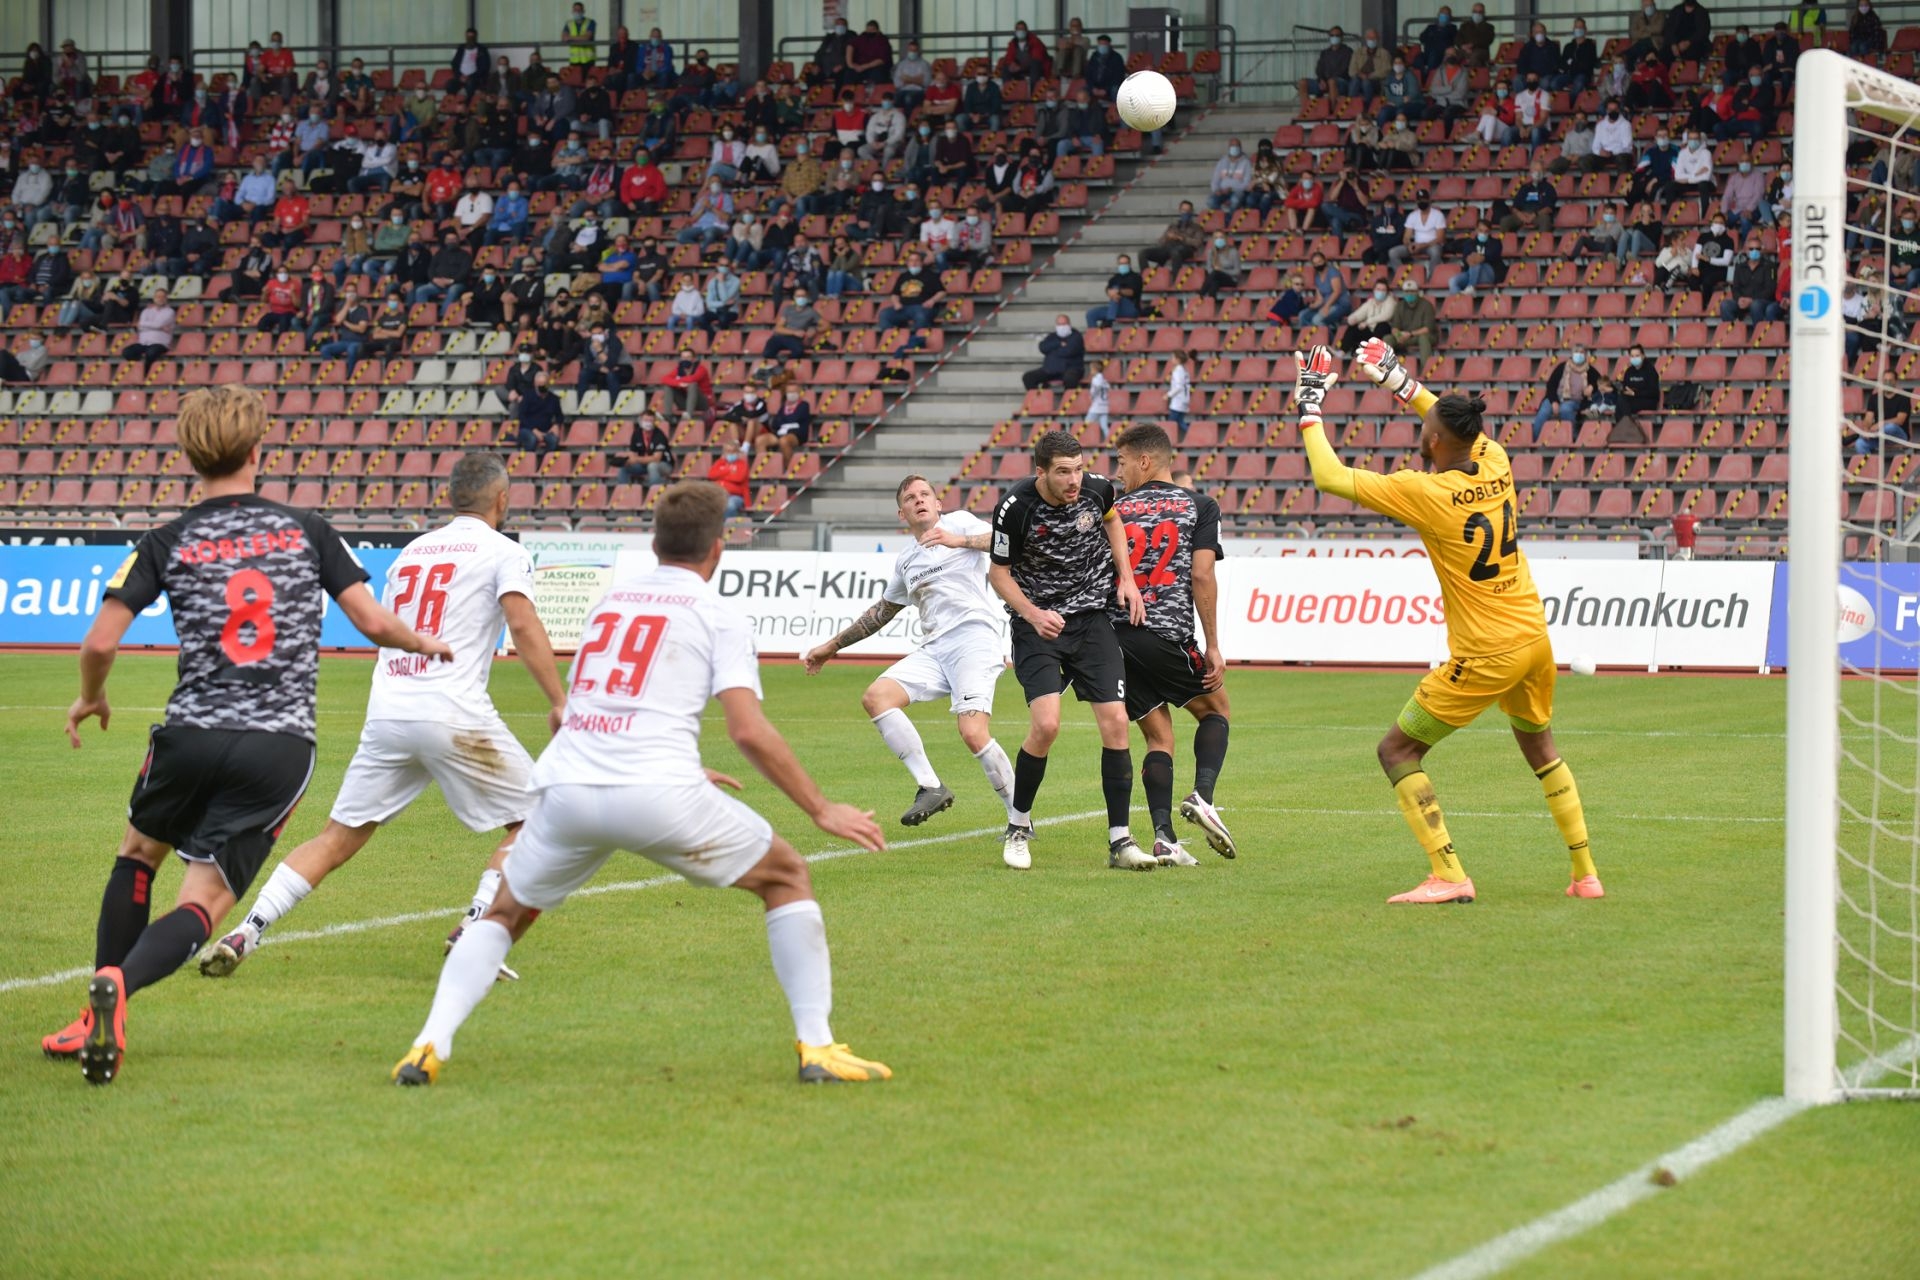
(1145, 101)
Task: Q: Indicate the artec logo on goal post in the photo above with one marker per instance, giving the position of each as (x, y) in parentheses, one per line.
(1814, 224)
(1814, 302)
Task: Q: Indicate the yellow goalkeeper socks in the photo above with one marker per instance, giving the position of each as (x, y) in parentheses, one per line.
(1563, 801)
(1418, 805)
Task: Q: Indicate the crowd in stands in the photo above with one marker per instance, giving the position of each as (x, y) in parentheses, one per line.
(581, 204)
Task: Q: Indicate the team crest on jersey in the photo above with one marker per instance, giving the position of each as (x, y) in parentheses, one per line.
(1084, 522)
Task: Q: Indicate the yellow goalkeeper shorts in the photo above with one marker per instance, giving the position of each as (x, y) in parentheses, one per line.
(1453, 694)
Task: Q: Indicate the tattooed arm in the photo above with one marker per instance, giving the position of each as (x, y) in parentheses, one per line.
(941, 536)
(877, 616)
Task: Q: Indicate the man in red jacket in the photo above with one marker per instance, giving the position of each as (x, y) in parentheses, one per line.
(444, 186)
(729, 469)
(643, 188)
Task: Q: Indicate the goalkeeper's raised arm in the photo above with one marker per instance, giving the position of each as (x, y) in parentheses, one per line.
(1316, 375)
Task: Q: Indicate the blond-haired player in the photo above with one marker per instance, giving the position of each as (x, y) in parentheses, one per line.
(1462, 507)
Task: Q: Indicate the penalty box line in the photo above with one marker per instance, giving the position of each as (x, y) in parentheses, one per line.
(593, 890)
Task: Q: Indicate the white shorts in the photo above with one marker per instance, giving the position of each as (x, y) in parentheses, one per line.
(484, 773)
(695, 829)
(967, 674)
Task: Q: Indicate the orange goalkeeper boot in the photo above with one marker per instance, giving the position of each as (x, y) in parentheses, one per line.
(1434, 889)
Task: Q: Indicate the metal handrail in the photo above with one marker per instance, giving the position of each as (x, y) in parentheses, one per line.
(962, 45)
(1610, 23)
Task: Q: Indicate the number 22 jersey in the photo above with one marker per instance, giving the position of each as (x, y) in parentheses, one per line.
(1165, 525)
(244, 578)
(1467, 522)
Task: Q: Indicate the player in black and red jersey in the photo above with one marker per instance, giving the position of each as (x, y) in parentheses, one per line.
(1173, 543)
(244, 578)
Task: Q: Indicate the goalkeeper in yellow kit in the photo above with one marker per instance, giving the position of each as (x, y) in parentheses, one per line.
(1462, 507)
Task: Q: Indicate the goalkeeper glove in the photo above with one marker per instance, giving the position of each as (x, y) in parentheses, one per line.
(1314, 377)
(1378, 362)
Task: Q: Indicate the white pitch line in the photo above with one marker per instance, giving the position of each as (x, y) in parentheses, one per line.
(1590, 1210)
(618, 886)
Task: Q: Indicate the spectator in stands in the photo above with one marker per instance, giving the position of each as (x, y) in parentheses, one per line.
(292, 217)
(538, 419)
(803, 181)
(199, 253)
(1184, 236)
(172, 92)
(1539, 56)
(1687, 34)
(1604, 238)
(29, 363)
(1616, 79)
(470, 64)
(942, 99)
(1613, 146)
(1369, 67)
(1222, 265)
(912, 75)
(1344, 207)
(448, 274)
(981, 105)
(316, 303)
(569, 167)
(1373, 318)
(660, 134)
(1637, 388)
(1757, 101)
(72, 196)
(81, 309)
(953, 156)
(1421, 233)
(274, 67)
(870, 60)
(388, 243)
(1568, 385)
(616, 272)
(1480, 261)
(1744, 197)
(1033, 185)
(521, 300)
(1533, 203)
(502, 84)
(1474, 38)
(1576, 147)
(722, 298)
(1331, 68)
(789, 427)
(690, 383)
(356, 89)
(749, 413)
(653, 63)
(1399, 148)
(153, 336)
(251, 276)
(1577, 63)
(1287, 305)
(829, 65)
(163, 244)
(781, 234)
(486, 301)
(113, 146)
(322, 89)
(649, 452)
(595, 316)
(1084, 127)
(916, 160)
(192, 166)
(1653, 173)
(1532, 113)
(604, 364)
(1070, 51)
(1693, 172)
(643, 187)
(1436, 41)
(1179, 390)
(1415, 325)
(1270, 179)
(936, 235)
(1232, 178)
(1026, 57)
(711, 215)
(557, 333)
(350, 322)
(1752, 290)
(1063, 357)
(16, 273)
(844, 261)
(505, 218)
(1124, 288)
(973, 242)
(729, 468)
(551, 111)
(1327, 296)
(743, 243)
(310, 138)
(1302, 204)
(1675, 268)
(1400, 93)
(1105, 69)
(120, 300)
(378, 158)
(799, 325)
(1498, 117)
(253, 198)
(1449, 90)
(1649, 89)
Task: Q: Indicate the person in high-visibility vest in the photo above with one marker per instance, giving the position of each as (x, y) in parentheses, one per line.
(1808, 17)
(579, 35)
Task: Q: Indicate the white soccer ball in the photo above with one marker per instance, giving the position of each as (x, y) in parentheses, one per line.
(1583, 665)
(1145, 101)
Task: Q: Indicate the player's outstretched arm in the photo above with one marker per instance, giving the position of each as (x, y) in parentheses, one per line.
(1314, 376)
(767, 751)
(97, 653)
(1377, 362)
(878, 615)
(1048, 623)
(382, 626)
(535, 647)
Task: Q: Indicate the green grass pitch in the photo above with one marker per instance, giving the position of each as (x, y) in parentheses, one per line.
(1250, 1068)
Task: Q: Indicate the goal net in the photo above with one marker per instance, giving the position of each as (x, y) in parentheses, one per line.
(1853, 713)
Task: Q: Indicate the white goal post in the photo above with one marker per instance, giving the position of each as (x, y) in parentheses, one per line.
(1852, 1015)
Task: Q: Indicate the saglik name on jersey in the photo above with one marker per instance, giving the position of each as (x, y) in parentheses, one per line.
(1059, 556)
(1165, 525)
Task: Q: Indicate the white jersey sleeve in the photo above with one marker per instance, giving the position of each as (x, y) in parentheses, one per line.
(736, 662)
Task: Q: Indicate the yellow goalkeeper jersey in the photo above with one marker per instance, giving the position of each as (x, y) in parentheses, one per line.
(1467, 522)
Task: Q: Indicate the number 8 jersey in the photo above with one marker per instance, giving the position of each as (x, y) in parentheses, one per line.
(1467, 522)
(656, 649)
(244, 578)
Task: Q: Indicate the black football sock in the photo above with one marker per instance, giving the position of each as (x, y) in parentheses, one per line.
(1116, 782)
(124, 909)
(1209, 754)
(1156, 779)
(169, 943)
(1027, 772)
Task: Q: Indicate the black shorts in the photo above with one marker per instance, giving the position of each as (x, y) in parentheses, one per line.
(220, 795)
(1159, 670)
(1084, 654)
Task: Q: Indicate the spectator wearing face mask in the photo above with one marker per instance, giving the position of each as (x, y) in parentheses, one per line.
(486, 300)
(886, 133)
(1026, 57)
(1369, 68)
(27, 364)
(1578, 62)
(1063, 357)
(1223, 267)
(1568, 384)
(1751, 290)
(1480, 261)
(1576, 147)
(1687, 33)
(722, 298)
(1302, 206)
(1756, 107)
(952, 156)
(1693, 172)
(1743, 198)
(1653, 173)
(689, 383)
(1124, 288)
(912, 76)
(153, 334)
(1400, 93)
(1184, 237)
(1373, 318)
(1533, 202)
(1421, 233)
(981, 106)
(1084, 127)
(710, 217)
(1331, 68)
(798, 326)
(604, 364)
(1232, 178)
(1646, 27)
(804, 181)
(1637, 385)
(830, 58)
(1436, 41)
(643, 187)
(350, 323)
(649, 457)
(689, 307)
(1474, 38)
(1613, 145)
(729, 469)
(1449, 90)
(1106, 69)
(1603, 237)
(1648, 90)
(916, 160)
(1327, 297)
(1415, 324)
(538, 419)
(915, 293)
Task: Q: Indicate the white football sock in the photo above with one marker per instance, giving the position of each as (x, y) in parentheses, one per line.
(1118, 833)
(484, 895)
(281, 894)
(904, 740)
(465, 979)
(1019, 817)
(999, 770)
(797, 937)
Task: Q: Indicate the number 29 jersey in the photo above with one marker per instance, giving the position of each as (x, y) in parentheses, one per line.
(1165, 525)
(1467, 522)
(246, 579)
(449, 583)
(657, 647)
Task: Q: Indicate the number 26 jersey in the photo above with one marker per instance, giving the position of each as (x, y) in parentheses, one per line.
(1468, 524)
(245, 579)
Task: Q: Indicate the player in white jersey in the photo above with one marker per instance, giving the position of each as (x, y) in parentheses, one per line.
(426, 722)
(624, 772)
(944, 576)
